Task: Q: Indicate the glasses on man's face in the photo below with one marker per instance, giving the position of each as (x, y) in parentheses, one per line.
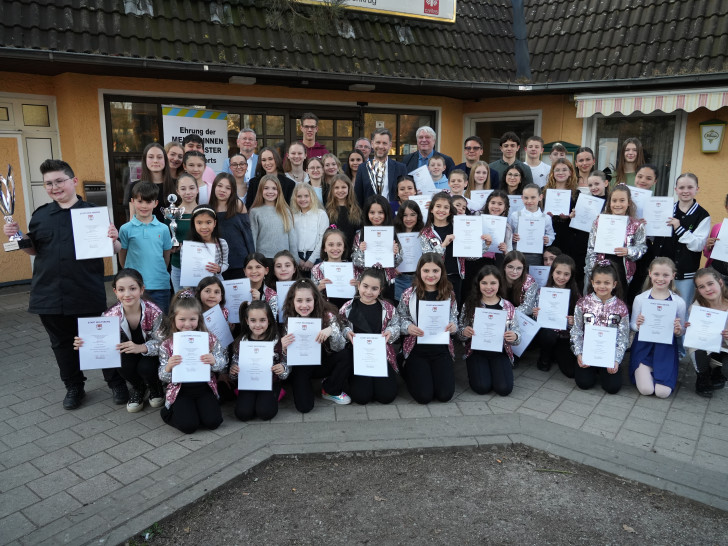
(56, 183)
(308, 127)
(514, 268)
(238, 165)
(472, 148)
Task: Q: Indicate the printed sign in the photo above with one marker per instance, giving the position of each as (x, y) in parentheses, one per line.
(210, 125)
(439, 10)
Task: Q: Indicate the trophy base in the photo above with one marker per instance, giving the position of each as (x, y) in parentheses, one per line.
(10, 246)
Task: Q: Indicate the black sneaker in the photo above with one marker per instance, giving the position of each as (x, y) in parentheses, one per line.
(703, 386)
(74, 395)
(120, 393)
(543, 365)
(136, 400)
(717, 379)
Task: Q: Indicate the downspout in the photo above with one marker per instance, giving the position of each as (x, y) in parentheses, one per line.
(520, 33)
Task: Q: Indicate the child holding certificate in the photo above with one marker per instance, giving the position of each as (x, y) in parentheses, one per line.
(203, 229)
(489, 369)
(601, 307)
(370, 314)
(333, 249)
(457, 183)
(407, 220)
(139, 319)
(554, 344)
(187, 191)
(653, 366)
(189, 406)
(405, 188)
(428, 369)
(343, 208)
(563, 177)
(256, 269)
(479, 178)
(624, 258)
(195, 163)
(719, 265)
(285, 267)
(377, 213)
(259, 325)
(521, 288)
(310, 221)
(712, 292)
(304, 300)
(518, 220)
(232, 222)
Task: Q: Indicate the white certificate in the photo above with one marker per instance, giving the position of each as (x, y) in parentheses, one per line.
(380, 246)
(558, 202)
(100, 337)
(528, 330)
(411, 252)
(659, 321)
(191, 346)
(586, 211)
(639, 198)
(495, 226)
(255, 360)
(540, 273)
(423, 180)
(720, 250)
(215, 322)
(370, 355)
(705, 327)
(553, 308)
(282, 288)
(236, 292)
(423, 201)
(467, 231)
(656, 212)
(515, 203)
(91, 233)
(194, 258)
(611, 233)
(489, 325)
(478, 199)
(304, 351)
(530, 234)
(600, 346)
(433, 317)
(340, 275)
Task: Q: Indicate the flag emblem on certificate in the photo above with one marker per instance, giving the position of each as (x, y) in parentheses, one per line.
(208, 319)
(379, 233)
(235, 287)
(90, 216)
(369, 341)
(256, 350)
(304, 326)
(190, 340)
(99, 326)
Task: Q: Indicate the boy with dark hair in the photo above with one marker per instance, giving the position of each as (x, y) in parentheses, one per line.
(194, 143)
(63, 289)
(509, 146)
(146, 245)
(473, 150)
(309, 128)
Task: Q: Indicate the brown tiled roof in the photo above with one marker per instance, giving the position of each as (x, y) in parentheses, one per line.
(571, 44)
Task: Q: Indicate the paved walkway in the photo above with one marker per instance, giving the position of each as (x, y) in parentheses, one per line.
(100, 474)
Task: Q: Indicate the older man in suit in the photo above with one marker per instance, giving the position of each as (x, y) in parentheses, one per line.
(379, 175)
(426, 138)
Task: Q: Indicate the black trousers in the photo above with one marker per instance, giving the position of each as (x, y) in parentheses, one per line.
(365, 389)
(586, 378)
(488, 370)
(260, 404)
(555, 348)
(195, 406)
(457, 286)
(335, 370)
(703, 358)
(430, 373)
(140, 370)
(61, 330)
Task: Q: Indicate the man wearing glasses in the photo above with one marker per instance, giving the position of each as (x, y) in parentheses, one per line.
(473, 152)
(247, 143)
(309, 128)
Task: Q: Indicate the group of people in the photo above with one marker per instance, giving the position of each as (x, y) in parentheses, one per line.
(296, 216)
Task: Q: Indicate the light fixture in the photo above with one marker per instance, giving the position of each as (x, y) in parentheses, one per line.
(711, 136)
(242, 80)
(362, 87)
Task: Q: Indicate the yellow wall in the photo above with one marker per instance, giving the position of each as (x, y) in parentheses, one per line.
(14, 265)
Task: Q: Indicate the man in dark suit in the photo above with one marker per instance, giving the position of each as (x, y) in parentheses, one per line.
(380, 174)
(426, 138)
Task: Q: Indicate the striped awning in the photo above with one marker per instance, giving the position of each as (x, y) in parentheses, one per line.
(687, 100)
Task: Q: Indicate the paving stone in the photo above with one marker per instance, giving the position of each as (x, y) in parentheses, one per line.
(532, 413)
(163, 435)
(166, 454)
(18, 475)
(132, 470)
(550, 395)
(713, 445)
(381, 411)
(21, 454)
(717, 463)
(413, 411)
(540, 405)
(715, 431)
(582, 410)
(640, 425)
(27, 405)
(667, 443)
(16, 499)
(15, 526)
(19, 422)
(92, 426)
(7, 400)
(93, 465)
(607, 410)
(94, 488)
(60, 439)
(93, 444)
(59, 505)
(680, 429)
(438, 409)
(129, 449)
(474, 408)
(520, 393)
(55, 460)
(126, 431)
(504, 402)
(693, 419)
(52, 483)
(565, 418)
(351, 412)
(41, 535)
(198, 440)
(319, 413)
(586, 398)
(653, 415)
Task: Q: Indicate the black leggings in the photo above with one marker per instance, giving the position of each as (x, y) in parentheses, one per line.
(703, 358)
(586, 378)
(335, 370)
(261, 404)
(555, 348)
(140, 370)
(195, 406)
(490, 370)
(365, 389)
(430, 374)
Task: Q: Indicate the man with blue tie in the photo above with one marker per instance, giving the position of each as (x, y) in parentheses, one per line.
(426, 138)
(379, 175)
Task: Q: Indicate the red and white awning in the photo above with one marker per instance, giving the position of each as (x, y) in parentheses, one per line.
(646, 103)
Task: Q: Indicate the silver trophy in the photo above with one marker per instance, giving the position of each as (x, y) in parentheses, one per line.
(7, 205)
(173, 214)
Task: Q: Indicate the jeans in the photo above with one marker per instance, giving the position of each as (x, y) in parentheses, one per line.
(160, 297)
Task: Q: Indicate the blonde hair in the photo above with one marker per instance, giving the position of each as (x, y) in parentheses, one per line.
(338, 166)
(281, 206)
(661, 260)
(315, 203)
(471, 178)
(572, 183)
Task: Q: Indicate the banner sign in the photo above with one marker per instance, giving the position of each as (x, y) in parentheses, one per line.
(439, 10)
(210, 125)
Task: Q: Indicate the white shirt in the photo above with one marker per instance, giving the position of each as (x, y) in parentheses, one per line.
(540, 174)
(310, 227)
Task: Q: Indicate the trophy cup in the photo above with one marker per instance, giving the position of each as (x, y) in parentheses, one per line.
(173, 214)
(7, 207)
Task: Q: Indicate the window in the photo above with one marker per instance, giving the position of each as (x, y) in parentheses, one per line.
(491, 127)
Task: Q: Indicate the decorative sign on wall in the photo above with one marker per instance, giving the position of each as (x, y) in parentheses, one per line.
(439, 10)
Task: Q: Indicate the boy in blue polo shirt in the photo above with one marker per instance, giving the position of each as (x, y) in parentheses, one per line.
(146, 245)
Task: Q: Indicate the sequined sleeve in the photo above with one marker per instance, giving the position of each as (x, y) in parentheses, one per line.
(463, 323)
(394, 327)
(453, 310)
(164, 354)
(577, 331)
(639, 244)
(317, 274)
(220, 354)
(336, 341)
(431, 244)
(591, 256)
(403, 310)
(529, 300)
(153, 341)
(357, 254)
(622, 338)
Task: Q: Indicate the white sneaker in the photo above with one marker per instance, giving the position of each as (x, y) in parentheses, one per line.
(136, 401)
(341, 399)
